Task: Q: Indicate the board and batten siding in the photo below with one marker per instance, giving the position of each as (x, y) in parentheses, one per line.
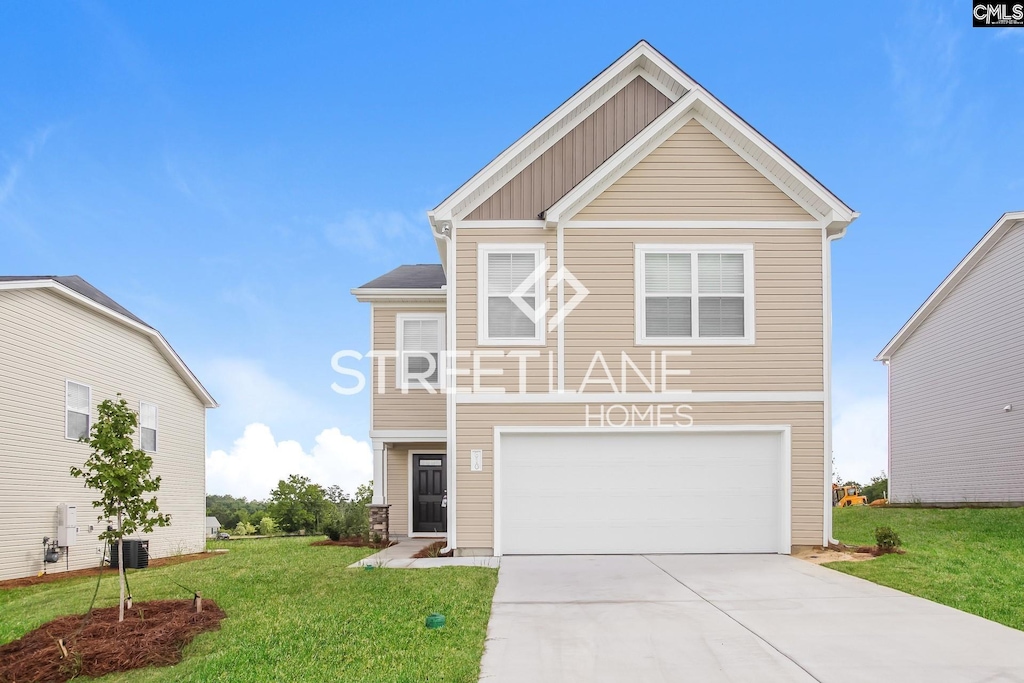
(951, 441)
(475, 430)
(45, 340)
(416, 409)
(575, 156)
(693, 176)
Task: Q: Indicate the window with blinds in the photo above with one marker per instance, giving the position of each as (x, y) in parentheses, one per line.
(78, 410)
(148, 426)
(693, 294)
(421, 344)
(506, 272)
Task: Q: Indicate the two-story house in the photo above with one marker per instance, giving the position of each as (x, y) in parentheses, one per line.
(626, 345)
(65, 347)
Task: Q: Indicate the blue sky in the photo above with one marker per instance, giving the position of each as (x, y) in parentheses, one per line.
(229, 171)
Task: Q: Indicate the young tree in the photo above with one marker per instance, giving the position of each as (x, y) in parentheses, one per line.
(121, 473)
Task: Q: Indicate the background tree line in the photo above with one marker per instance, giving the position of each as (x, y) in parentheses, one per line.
(296, 505)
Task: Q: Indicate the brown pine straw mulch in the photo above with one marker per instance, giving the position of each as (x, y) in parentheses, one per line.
(50, 577)
(433, 550)
(152, 634)
(354, 543)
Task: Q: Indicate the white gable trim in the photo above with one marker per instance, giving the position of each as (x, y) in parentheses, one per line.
(641, 60)
(158, 340)
(1006, 222)
(695, 105)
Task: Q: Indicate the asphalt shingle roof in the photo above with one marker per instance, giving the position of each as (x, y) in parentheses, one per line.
(78, 284)
(418, 276)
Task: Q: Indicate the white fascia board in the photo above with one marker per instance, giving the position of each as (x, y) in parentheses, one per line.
(664, 127)
(638, 56)
(382, 294)
(169, 354)
(1005, 223)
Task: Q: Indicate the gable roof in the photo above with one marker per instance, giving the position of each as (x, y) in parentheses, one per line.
(1006, 222)
(688, 98)
(80, 291)
(80, 285)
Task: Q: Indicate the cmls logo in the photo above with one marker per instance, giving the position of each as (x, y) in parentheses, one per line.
(998, 14)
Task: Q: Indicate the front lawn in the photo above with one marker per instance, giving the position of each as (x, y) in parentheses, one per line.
(295, 613)
(972, 560)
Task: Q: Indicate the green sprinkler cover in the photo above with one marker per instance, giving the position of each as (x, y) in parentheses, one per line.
(435, 620)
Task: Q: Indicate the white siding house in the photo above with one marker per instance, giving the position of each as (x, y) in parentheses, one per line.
(956, 382)
(64, 348)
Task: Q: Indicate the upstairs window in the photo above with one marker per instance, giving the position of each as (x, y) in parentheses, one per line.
(420, 350)
(148, 426)
(694, 295)
(508, 295)
(78, 410)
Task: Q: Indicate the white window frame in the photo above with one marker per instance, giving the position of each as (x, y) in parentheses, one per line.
(156, 409)
(401, 381)
(67, 408)
(639, 257)
(482, 260)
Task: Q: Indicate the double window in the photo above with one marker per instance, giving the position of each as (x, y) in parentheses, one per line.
(694, 294)
(420, 350)
(77, 410)
(509, 290)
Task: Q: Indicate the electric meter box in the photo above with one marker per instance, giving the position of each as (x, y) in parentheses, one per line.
(67, 525)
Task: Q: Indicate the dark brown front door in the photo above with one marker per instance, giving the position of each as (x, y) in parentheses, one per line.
(429, 485)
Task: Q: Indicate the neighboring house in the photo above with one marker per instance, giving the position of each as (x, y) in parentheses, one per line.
(956, 381)
(634, 301)
(212, 527)
(64, 348)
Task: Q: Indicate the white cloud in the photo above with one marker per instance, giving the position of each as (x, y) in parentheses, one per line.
(859, 438)
(256, 462)
(10, 178)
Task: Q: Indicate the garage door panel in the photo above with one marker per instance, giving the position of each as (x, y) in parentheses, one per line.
(652, 492)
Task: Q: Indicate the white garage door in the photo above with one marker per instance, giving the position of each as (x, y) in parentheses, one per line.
(642, 492)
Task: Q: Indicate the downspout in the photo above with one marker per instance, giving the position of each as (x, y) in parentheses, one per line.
(446, 230)
(560, 249)
(826, 255)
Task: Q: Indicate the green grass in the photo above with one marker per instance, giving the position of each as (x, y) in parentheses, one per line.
(972, 560)
(295, 613)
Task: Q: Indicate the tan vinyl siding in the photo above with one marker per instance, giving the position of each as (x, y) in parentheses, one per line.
(951, 440)
(476, 422)
(417, 409)
(787, 354)
(45, 340)
(575, 155)
(466, 319)
(398, 489)
(693, 176)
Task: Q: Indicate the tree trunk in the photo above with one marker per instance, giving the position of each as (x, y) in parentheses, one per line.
(120, 569)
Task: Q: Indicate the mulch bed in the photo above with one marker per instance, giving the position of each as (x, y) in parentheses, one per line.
(872, 549)
(152, 634)
(433, 550)
(93, 571)
(355, 543)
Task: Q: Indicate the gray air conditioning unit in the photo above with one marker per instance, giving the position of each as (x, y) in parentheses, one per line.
(136, 554)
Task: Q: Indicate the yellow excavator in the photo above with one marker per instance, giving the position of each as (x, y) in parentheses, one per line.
(845, 496)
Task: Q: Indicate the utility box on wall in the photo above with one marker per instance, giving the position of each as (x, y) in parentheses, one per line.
(67, 525)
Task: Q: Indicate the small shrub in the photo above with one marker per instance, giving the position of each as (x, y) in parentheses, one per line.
(333, 531)
(244, 529)
(267, 527)
(887, 539)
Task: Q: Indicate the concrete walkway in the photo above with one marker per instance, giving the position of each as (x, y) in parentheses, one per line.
(400, 556)
(728, 618)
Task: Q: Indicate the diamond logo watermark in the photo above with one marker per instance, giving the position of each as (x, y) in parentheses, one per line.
(525, 297)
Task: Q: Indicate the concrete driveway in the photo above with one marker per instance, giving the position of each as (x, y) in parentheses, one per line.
(728, 618)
